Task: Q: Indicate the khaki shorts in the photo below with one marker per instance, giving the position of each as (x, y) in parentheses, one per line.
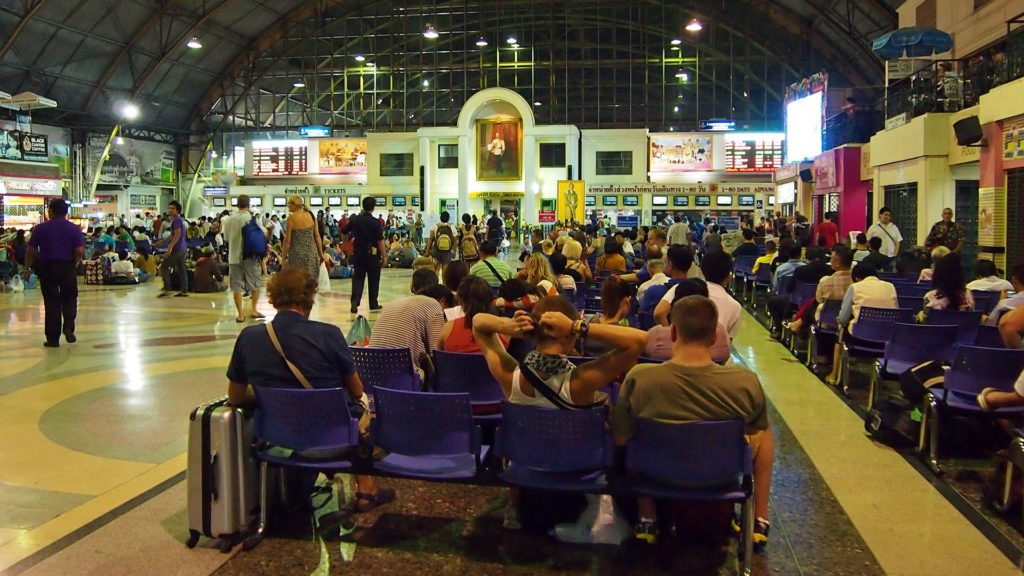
(754, 440)
(245, 277)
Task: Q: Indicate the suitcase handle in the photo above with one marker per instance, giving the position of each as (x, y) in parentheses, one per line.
(213, 475)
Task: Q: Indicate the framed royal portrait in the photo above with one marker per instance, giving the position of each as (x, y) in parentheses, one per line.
(499, 149)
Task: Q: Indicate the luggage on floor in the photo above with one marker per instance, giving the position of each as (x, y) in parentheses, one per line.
(222, 488)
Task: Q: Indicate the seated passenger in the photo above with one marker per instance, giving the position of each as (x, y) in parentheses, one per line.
(861, 249)
(656, 268)
(865, 291)
(768, 258)
(988, 279)
(613, 260)
(473, 297)
(518, 294)
(876, 259)
(937, 253)
(123, 267)
(573, 252)
(537, 271)
(949, 292)
(661, 338)
(318, 350)
(747, 247)
(690, 387)
(414, 322)
(1013, 302)
(490, 268)
(555, 327)
(678, 260)
(567, 279)
(208, 277)
(717, 270)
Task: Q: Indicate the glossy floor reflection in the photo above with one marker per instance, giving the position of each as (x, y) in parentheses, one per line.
(92, 457)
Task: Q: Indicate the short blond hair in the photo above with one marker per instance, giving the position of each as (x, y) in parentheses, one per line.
(572, 250)
(296, 200)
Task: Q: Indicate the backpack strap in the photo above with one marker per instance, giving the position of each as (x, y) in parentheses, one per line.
(295, 369)
(550, 395)
(495, 272)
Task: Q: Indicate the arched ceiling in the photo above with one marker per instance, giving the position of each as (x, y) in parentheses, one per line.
(92, 55)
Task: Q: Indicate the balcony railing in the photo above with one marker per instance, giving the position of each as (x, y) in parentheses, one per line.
(852, 127)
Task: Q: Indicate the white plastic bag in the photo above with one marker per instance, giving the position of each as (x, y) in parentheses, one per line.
(325, 279)
(599, 523)
(17, 284)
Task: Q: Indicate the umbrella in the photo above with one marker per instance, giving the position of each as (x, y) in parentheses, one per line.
(912, 42)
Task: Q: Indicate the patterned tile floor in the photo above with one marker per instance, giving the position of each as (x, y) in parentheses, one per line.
(91, 461)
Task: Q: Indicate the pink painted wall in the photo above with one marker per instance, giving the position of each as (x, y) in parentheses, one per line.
(853, 192)
(990, 169)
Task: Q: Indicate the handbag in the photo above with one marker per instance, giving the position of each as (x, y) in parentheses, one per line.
(359, 334)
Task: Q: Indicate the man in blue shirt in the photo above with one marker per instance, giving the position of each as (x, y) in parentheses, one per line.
(677, 262)
(782, 285)
(319, 352)
(54, 249)
(657, 238)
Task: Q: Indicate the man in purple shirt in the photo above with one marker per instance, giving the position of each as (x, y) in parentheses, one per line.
(54, 250)
(176, 251)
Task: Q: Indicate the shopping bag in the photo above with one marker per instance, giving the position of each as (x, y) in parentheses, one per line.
(600, 523)
(31, 282)
(324, 281)
(17, 285)
(359, 334)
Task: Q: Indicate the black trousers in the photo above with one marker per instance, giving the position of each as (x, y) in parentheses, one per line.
(174, 259)
(778, 307)
(59, 285)
(365, 267)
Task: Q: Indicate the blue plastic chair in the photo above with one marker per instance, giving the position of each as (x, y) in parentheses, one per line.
(910, 345)
(911, 301)
(385, 367)
(989, 337)
(647, 321)
(985, 300)
(742, 269)
(968, 322)
(762, 279)
(695, 461)
(301, 420)
(974, 369)
(426, 435)
(916, 290)
(801, 292)
(144, 244)
(590, 303)
(867, 338)
(548, 449)
(122, 245)
(456, 372)
(827, 325)
(612, 389)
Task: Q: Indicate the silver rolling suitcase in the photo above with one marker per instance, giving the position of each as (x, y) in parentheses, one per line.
(222, 492)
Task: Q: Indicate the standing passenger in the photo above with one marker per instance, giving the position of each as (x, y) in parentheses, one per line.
(55, 248)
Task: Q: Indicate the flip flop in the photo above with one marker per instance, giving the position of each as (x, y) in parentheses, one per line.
(240, 320)
(257, 316)
(383, 496)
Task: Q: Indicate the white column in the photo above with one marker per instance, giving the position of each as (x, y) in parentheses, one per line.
(572, 155)
(529, 208)
(466, 164)
(428, 173)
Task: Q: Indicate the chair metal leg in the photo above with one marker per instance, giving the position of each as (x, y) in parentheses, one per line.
(255, 539)
(812, 346)
(747, 557)
(844, 371)
(873, 385)
(1004, 502)
(932, 443)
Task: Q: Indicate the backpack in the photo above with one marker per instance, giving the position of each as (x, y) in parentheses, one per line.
(254, 242)
(445, 238)
(469, 248)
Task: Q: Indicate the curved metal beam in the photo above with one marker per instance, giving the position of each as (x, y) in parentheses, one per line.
(147, 24)
(21, 27)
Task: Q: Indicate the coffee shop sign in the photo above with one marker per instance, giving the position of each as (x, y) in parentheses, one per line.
(25, 186)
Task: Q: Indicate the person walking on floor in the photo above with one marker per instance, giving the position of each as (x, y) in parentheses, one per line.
(243, 268)
(176, 253)
(368, 256)
(303, 245)
(54, 250)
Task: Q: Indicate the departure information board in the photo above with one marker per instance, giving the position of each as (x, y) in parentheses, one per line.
(753, 152)
(279, 158)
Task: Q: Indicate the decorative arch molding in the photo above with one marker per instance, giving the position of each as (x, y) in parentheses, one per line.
(489, 101)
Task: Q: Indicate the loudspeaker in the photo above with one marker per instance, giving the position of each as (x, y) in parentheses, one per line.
(806, 175)
(968, 131)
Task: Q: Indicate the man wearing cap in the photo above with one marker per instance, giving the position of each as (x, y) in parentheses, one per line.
(54, 250)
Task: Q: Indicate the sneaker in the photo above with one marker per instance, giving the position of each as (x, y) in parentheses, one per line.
(760, 533)
(511, 519)
(646, 531)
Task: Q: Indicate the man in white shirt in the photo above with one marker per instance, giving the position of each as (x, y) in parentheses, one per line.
(243, 272)
(988, 278)
(123, 267)
(656, 268)
(679, 233)
(717, 270)
(887, 231)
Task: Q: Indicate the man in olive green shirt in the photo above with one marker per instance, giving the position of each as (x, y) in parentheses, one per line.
(493, 271)
(690, 387)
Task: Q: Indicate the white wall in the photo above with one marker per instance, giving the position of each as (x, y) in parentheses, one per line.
(633, 140)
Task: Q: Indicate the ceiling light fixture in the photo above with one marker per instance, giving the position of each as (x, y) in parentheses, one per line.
(680, 73)
(426, 83)
(129, 111)
(299, 84)
(119, 141)
(370, 64)
(676, 41)
(481, 41)
(536, 103)
(694, 26)
(360, 58)
(430, 32)
(194, 43)
(511, 39)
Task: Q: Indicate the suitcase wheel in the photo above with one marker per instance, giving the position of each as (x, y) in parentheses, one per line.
(252, 542)
(226, 544)
(193, 539)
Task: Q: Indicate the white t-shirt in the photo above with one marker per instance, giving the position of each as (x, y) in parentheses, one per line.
(233, 234)
(656, 280)
(889, 234)
(1018, 386)
(990, 284)
(122, 268)
(730, 312)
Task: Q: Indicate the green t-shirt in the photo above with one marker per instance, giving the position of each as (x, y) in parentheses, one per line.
(483, 271)
(676, 394)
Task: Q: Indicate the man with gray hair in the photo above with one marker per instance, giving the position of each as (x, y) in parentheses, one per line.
(243, 269)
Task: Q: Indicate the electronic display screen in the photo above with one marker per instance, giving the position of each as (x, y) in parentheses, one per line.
(415, 200)
(804, 120)
(279, 158)
(590, 201)
(234, 201)
(381, 201)
(609, 200)
(681, 201)
(771, 200)
(659, 200)
(398, 201)
(630, 200)
(280, 201)
(746, 200)
(753, 152)
(220, 202)
(702, 200)
(351, 201)
(316, 201)
(334, 200)
(787, 193)
(723, 200)
(256, 202)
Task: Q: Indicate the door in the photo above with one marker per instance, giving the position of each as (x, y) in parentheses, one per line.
(1014, 218)
(966, 214)
(902, 200)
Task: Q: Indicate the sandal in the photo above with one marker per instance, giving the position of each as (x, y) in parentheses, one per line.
(383, 496)
(240, 320)
(256, 316)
